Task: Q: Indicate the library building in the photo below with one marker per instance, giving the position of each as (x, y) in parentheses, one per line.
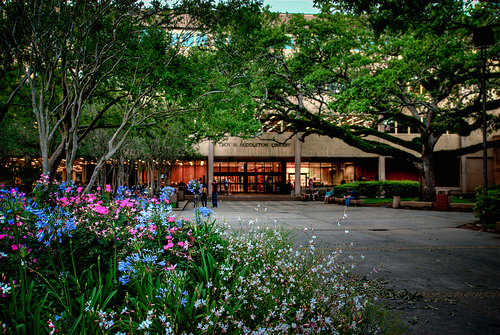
(270, 164)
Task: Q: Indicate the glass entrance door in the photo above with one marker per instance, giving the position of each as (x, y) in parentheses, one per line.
(303, 179)
(251, 177)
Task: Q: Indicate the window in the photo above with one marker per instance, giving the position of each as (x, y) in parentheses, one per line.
(201, 40)
(187, 40)
(390, 127)
(175, 39)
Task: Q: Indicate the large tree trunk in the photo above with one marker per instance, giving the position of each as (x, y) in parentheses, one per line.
(51, 163)
(427, 187)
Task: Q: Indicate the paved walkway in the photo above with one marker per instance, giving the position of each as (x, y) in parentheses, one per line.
(444, 280)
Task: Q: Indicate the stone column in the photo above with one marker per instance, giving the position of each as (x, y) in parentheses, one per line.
(381, 167)
(463, 167)
(298, 158)
(210, 166)
(381, 159)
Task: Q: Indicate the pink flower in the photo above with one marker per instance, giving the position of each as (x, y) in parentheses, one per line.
(79, 189)
(101, 210)
(184, 244)
(171, 267)
(168, 246)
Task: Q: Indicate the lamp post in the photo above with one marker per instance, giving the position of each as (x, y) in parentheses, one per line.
(484, 37)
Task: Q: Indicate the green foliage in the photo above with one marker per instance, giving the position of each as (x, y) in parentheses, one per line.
(491, 212)
(170, 275)
(464, 198)
(344, 70)
(387, 188)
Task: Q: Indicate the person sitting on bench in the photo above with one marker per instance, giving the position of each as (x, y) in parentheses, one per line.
(307, 195)
(328, 194)
(314, 194)
(350, 195)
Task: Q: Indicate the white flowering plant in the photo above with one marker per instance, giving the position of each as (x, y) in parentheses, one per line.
(156, 273)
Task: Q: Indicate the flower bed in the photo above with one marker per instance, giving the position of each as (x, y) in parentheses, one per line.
(105, 263)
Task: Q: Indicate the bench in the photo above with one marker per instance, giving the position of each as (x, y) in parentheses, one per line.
(417, 204)
(353, 202)
(462, 207)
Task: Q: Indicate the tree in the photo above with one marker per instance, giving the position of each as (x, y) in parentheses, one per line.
(164, 145)
(18, 139)
(83, 61)
(340, 67)
(72, 55)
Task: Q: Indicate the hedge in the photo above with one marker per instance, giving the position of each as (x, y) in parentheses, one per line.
(373, 189)
(492, 211)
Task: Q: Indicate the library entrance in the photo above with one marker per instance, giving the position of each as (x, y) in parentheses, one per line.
(252, 177)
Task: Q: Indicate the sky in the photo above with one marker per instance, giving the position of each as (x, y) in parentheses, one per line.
(292, 6)
(285, 6)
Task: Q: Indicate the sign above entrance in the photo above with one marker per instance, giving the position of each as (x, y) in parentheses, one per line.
(254, 145)
(263, 146)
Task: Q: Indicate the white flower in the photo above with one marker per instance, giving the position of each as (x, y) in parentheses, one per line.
(5, 288)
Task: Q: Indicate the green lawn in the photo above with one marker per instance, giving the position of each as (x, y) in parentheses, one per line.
(454, 199)
(384, 200)
(462, 200)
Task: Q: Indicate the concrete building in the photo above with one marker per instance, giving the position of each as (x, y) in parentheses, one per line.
(270, 164)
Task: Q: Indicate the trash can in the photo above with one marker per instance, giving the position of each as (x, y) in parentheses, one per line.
(396, 201)
(442, 200)
(180, 192)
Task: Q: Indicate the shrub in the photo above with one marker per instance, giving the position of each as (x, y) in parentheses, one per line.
(88, 264)
(405, 188)
(372, 189)
(491, 213)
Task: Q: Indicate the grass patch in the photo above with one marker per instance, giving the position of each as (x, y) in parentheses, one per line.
(385, 200)
(454, 199)
(462, 200)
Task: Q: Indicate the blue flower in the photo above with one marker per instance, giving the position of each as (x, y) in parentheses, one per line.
(162, 292)
(136, 264)
(124, 279)
(206, 212)
(166, 193)
(53, 222)
(123, 192)
(124, 266)
(183, 301)
(193, 186)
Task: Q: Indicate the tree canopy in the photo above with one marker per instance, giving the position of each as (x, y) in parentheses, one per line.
(419, 78)
(115, 65)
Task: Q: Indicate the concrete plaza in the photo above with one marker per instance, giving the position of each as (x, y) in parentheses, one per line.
(451, 274)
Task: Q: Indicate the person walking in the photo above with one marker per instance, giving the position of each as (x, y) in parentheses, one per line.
(215, 184)
(311, 184)
(203, 195)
